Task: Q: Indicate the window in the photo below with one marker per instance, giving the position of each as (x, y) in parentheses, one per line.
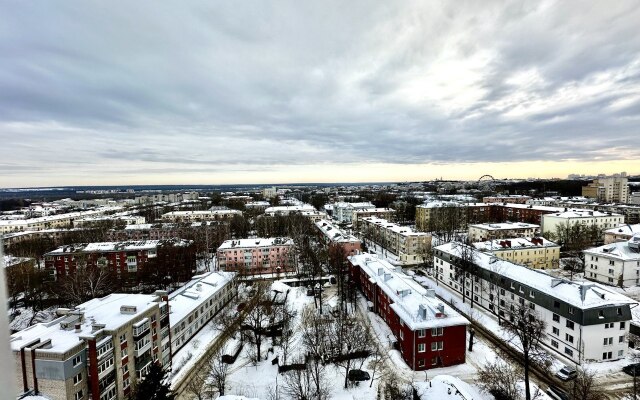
(570, 324)
(401, 335)
(77, 360)
(77, 379)
(124, 352)
(620, 339)
(437, 331)
(556, 304)
(532, 293)
(554, 343)
(622, 325)
(437, 346)
(421, 348)
(123, 338)
(556, 318)
(568, 351)
(421, 333)
(570, 310)
(556, 331)
(79, 395)
(607, 355)
(126, 383)
(601, 314)
(619, 311)
(434, 361)
(608, 341)
(421, 362)
(568, 338)
(532, 306)
(620, 353)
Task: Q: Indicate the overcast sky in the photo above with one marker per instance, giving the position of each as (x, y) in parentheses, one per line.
(275, 91)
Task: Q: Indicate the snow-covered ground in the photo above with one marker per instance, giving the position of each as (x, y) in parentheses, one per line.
(22, 318)
(185, 358)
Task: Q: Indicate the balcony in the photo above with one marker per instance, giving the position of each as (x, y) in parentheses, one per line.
(142, 349)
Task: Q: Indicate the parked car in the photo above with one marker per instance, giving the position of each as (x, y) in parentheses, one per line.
(557, 393)
(632, 369)
(566, 373)
(358, 375)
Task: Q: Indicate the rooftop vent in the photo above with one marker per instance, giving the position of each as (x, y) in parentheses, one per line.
(128, 310)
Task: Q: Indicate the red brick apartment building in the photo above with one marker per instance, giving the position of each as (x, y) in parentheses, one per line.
(429, 334)
(127, 260)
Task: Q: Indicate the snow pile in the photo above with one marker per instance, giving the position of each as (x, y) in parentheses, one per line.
(448, 387)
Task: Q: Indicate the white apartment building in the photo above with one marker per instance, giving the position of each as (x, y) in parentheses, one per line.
(205, 215)
(383, 213)
(343, 212)
(287, 210)
(97, 351)
(620, 234)
(505, 230)
(49, 222)
(614, 263)
(410, 246)
(269, 192)
(585, 321)
(604, 221)
(533, 252)
(609, 189)
(193, 305)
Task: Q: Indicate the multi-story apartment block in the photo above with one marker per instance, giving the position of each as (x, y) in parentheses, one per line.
(435, 215)
(552, 222)
(96, 351)
(259, 256)
(610, 189)
(621, 233)
(383, 213)
(410, 246)
(634, 198)
(288, 210)
(89, 222)
(343, 212)
(501, 230)
(193, 305)
(332, 235)
(522, 212)
(585, 321)
(614, 263)
(269, 192)
(50, 222)
(127, 260)
(164, 231)
(515, 199)
(206, 215)
(533, 252)
(429, 333)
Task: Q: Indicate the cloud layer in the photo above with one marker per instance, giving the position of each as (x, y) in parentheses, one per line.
(146, 88)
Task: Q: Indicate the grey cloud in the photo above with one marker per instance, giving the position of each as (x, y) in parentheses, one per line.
(249, 86)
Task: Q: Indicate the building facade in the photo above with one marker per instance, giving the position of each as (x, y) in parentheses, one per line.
(383, 213)
(206, 215)
(333, 236)
(561, 220)
(429, 334)
(343, 211)
(585, 321)
(616, 264)
(97, 351)
(250, 257)
(532, 252)
(506, 199)
(501, 230)
(410, 246)
(610, 189)
(621, 233)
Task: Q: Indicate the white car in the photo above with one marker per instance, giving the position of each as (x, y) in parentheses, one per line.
(566, 373)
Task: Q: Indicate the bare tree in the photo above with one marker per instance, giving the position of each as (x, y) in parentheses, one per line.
(500, 379)
(218, 371)
(583, 386)
(377, 362)
(259, 318)
(348, 341)
(527, 331)
(394, 388)
(85, 283)
(197, 386)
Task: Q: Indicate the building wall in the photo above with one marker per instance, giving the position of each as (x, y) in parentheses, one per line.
(550, 223)
(258, 260)
(481, 234)
(612, 270)
(535, 257)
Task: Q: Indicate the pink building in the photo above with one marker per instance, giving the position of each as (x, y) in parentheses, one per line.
(257, 256)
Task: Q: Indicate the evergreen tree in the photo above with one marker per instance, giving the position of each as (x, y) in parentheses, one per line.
(154, 386)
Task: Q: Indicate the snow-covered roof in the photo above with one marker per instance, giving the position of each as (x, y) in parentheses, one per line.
(446, 387)
(416, 306)
(104, 311)
(624, 230)
(402, 230)
(514, 244)
(254, 243)
(287, 209)
(439, 204)
(577, 213)
(58, 217)
(131, 245)
(9, 261)
(616, 251)
(578, 294)
(334, 233)
(195, 293)
(373, 210)
(200, 213)
(504, 226)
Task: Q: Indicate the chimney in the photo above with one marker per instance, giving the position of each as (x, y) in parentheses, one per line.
(78, 328)
(380, 271)
(387, 277)
(422, 311)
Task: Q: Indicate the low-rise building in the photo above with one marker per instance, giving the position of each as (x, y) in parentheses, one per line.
(614, 263)
(585, 321)
(204, 215)
(288, 210)
(410, 246)
(193, 305)
(564, 219)
(514, 199)
(56, 221)
(260, 256)
(334, 236)
(533, 252)
(621, 233)
(383, 213)
(429, 333)
(343, 211)
(97, 351)
(501, 230)
(127, 260)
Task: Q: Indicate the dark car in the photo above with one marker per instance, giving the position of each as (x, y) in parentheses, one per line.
(632, 369)
(557, 393)
(358, 375)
